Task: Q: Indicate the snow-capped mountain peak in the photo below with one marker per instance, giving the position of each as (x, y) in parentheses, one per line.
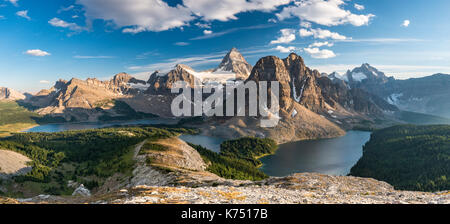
(234, 62)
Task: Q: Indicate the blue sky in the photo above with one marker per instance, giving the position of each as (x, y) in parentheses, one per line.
(42, 41)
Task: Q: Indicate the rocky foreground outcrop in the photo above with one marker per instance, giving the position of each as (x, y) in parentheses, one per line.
(305, 188)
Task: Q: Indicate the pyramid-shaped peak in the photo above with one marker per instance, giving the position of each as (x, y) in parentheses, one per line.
(183, 67)
(236, 63)
(234, 55)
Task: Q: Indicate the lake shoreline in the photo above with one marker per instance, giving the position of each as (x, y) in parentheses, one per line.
(332, 156)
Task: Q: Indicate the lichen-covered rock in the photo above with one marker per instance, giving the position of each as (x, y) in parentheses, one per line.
(82, 191)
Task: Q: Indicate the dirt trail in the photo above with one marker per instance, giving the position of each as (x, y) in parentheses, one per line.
(138, 149)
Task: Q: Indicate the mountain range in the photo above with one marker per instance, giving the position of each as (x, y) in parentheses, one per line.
(427, 95)
(313, 104)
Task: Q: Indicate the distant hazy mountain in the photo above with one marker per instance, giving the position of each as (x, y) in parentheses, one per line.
(10, 94)
(428, 95)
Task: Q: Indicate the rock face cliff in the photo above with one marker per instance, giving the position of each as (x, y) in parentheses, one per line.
(80, 99)
(162, 83)
(322, 106)
(233, 67)
(10, 94)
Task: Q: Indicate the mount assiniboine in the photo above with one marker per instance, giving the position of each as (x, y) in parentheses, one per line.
(313, 105)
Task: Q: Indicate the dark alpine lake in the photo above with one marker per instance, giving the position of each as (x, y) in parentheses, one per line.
(334, 156)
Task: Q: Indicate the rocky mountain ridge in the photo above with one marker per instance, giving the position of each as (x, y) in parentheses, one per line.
(10, 94)
(236, 63)
(80, 99)
(233, 67)
(311, 106)
(423, 95)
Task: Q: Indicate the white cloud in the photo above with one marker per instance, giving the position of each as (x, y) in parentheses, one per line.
(359, 7)
(24, 14)
(272, 20)
(65, 9)
(232, 30)
(181, 43)
(406, 23)
(287, 36)
(321, 34)
(320, 54)
(37, 53)
(14, 2)
(324, 12)
(305, 24)
(63, 24)
(305, 33)
(285, 49)
(321, 44)
(44, 82)
(207, 32)
(138, 15)
(134, 16)
(167, 65)
(203, 25)
(225, 10)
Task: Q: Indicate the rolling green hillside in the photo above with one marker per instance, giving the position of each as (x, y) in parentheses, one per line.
(14, 118)
(409, 157)
(238, 159)
(87, 156)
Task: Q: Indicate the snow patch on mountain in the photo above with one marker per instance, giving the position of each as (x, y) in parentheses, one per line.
(298, 98)
(394, 98)
(358, 76)
(139, 86)
(218, 76)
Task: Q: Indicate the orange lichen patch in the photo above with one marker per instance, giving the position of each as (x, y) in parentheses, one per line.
(174, 201)
(8, 201)
(205, 194)
(174, 190)
(231, 195)
(444, 193)
(263, 201)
